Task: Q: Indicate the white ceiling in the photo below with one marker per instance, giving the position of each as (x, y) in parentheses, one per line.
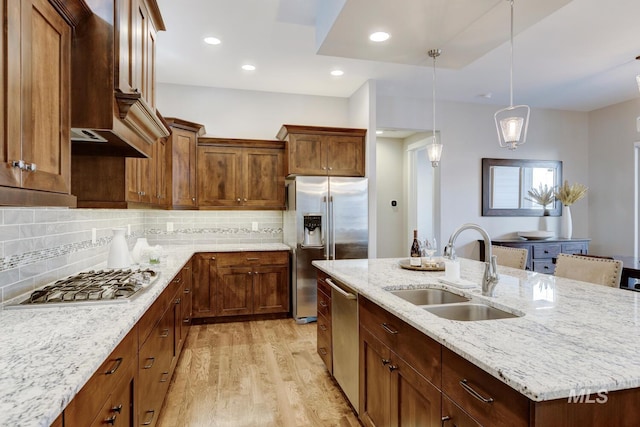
(569, 54)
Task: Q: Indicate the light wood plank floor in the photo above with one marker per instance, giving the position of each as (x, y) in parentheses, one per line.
(259, 373)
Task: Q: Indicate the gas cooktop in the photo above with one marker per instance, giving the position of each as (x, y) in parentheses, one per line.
(101, 286)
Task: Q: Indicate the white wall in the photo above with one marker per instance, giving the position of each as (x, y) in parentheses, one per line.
(232, 113)
(468, 134)
(612, 133)
(390, 226)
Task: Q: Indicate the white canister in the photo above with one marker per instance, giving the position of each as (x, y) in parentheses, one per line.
(119, 256)
(452, 269)
(138, 249)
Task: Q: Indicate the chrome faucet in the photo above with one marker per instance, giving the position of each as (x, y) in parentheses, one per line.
(490, 278)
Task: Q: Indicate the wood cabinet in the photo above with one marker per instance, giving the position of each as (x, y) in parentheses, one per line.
(543, 253)
(240, 284)
(35, 70)
(313, 150)
(181, 163)
(399, 371)
(324, 325)
(240, 174)
(108, 395)
(140, 180)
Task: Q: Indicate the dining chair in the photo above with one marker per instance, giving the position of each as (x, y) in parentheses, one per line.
(601, 271)
(510, 257)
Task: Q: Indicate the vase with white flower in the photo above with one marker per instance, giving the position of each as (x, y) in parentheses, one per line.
(568, 195)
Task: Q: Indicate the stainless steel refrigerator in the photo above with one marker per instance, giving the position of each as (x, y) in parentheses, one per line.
(326, 218)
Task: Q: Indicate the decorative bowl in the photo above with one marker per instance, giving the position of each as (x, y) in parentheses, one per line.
(536, 234)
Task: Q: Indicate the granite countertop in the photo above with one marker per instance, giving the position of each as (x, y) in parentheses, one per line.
(572, 335)
(47, 354)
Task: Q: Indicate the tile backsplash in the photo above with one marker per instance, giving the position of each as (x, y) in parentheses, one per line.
(39, 245)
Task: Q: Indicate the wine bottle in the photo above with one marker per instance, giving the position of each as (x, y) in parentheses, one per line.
(415, 259)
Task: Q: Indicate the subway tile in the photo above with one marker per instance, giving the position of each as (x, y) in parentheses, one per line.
(18, 288)
(18, 216)
(9, 232)
(32, 230)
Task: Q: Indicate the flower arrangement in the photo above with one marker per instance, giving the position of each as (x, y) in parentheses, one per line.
(569, 194)
(542, 195)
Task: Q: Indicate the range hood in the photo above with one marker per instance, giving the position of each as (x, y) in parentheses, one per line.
(110, 117)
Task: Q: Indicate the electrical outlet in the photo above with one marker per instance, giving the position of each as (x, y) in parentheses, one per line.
(128, 229)
(94, 236)
(169, 227)
(254, 226)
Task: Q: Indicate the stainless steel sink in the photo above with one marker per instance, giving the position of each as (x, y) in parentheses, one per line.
(429, 296)
(469, 312)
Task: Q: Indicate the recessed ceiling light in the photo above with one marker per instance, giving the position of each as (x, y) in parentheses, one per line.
(212, 40)
(379, 36)
(248, 67)
(337, 73)
(379, 132)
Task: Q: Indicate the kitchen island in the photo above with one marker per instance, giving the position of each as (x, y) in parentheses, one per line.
(47, 354)
(570, 338)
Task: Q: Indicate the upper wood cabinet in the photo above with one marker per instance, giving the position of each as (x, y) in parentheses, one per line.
(34, 125)
(181, 163)
(113, 89)
(242, 174)
(313, 150)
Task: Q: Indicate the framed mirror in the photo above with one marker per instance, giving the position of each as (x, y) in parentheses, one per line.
(506, 182)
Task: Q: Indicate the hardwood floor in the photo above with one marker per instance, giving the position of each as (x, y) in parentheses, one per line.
(258, 373)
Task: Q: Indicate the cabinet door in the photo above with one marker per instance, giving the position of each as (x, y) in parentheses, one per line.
(235, 291)
(375, 381)
(205, 279)
(45, 58)
(414, 400)
(307, 155)
(263, 182)
(138, 179)
(345, 155)
(219, 176)
(271, 290)
(183, 174)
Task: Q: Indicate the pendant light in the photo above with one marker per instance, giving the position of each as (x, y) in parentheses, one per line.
(434, 150)
(512, 122)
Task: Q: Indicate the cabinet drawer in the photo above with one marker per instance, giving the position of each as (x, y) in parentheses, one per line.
(546, 251)
(417, 349)
(467, 385)
(160, 305)
(116, 411)
(322, 284)
(324, 305)
(453, 415)
(251, 258)
(325, 347)
(574, 248)
(90, 399)
(544, 266)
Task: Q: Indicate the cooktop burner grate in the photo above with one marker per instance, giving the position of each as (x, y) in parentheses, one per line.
(93, 286)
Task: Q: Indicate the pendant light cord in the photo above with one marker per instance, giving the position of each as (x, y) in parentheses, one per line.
(511, 72)
(434, 98)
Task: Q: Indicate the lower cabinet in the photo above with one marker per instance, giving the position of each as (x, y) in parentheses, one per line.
(240, 284)
(130, 386)
(543, 253)
(324, 328)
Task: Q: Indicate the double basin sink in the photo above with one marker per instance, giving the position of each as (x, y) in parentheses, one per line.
(451, 306)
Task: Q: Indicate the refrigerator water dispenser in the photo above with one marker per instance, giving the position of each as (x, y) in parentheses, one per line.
(312, 230)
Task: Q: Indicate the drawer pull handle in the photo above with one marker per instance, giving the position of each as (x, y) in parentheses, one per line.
(392, 368)
(321, 326)
(385, 362)
(165, 377)
(323, 304)
(115, 367)
(465, 385)
(111, 420)
(389, 329)
(186, 320)
(253, 259)
(444, 419)
(150, 363)
(177, 301)
(164, 333)
(546, 251)
(149, 418)
(213, 258)
(186, 291)
(322, 351)
(117, 409)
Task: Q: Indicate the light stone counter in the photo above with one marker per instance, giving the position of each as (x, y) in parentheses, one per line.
(573, 335)
(47, 354)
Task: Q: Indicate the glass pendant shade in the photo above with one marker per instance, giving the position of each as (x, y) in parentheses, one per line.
(434, 151)
(512, 124)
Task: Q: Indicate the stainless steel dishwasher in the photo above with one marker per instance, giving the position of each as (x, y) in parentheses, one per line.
(344, 321)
